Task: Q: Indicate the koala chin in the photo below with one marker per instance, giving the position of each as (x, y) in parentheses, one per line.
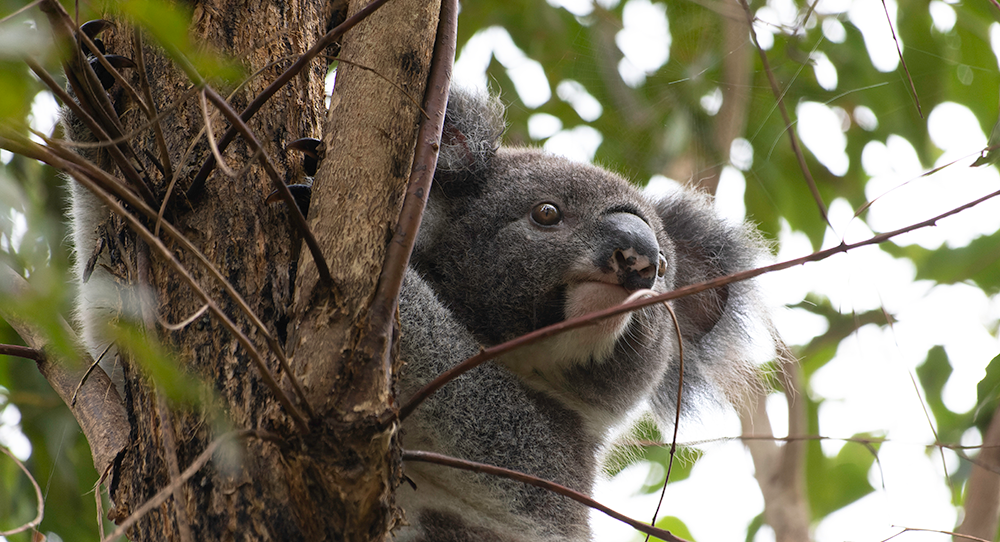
(514, 240)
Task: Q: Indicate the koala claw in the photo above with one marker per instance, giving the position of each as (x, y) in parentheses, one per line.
(117, 61)
(314, 151)
(301, 192)
(93, 29)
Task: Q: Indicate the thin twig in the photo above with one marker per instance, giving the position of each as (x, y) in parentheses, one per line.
(211, 136)
(87, 373)
(677, 413)
(152, 115)
(776, 90)
(21, 10)
(163, 494)
(590, 319)
(38, 497)
(19, 351)
(183, 323)
(938, 531)
(902, 61)
(454, 462)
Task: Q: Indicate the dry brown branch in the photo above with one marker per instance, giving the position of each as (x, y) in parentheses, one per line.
(454, 462)
(226, 170)
(982, 494)
(21, 352)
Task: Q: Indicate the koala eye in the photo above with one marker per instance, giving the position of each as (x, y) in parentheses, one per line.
(661, 267)
(546, 214)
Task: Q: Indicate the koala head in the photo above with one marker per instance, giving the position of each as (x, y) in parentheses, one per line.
(516, 239)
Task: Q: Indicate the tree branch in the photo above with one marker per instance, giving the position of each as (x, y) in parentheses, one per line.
(982, 494)
(38, 497)
(454, 462)
(97, 408)
(383, 308)
(21, 352)
(779, 470)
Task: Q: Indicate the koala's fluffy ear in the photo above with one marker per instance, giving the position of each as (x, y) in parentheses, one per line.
(473, 125)
(718, 325)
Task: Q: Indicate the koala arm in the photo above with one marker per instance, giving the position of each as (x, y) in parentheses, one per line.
(486, 415)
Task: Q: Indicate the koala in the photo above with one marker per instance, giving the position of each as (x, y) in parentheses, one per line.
(513, 240)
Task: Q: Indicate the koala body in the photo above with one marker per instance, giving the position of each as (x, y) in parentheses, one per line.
(515, 240)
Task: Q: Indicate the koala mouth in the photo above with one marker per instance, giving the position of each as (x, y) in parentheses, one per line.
(593, 295)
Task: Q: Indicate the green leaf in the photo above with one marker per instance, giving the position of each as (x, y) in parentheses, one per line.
(835, 482)
(676, 527)
(979, 261)
(987, 396)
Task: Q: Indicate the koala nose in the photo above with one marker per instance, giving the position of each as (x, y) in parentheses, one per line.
(629, 249)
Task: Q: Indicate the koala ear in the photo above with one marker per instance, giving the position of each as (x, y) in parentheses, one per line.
(705, 247)
(473, 125)
(718, 326)
(699, 312)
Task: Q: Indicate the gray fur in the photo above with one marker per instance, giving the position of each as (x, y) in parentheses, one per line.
(104, 292)
(484, 272)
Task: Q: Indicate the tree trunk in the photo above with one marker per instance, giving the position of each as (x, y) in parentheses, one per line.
(280, 481)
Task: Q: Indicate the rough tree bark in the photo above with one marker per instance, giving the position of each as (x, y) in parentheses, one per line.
(332, 479)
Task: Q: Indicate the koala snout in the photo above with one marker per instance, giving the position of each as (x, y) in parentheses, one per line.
(629, 249)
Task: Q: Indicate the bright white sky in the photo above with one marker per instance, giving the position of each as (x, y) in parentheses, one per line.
(868, 385)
